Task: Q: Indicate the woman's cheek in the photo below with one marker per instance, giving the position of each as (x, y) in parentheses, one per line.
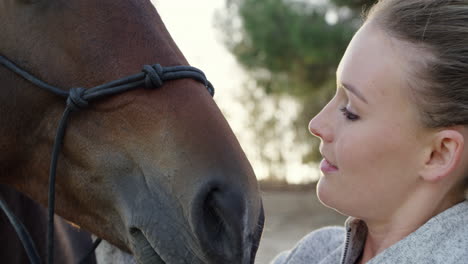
(359, 154)
(348, 152)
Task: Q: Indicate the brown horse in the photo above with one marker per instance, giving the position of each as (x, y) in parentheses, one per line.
(157, 173)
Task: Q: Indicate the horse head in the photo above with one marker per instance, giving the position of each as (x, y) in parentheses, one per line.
(156, 172)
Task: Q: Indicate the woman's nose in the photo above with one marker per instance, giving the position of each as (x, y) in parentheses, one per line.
(313, 128)
(321, 128)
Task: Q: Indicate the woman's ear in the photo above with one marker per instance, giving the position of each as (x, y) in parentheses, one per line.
(444, 156)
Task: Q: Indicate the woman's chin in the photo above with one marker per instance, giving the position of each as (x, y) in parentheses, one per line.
(330, 196)
(324, 192)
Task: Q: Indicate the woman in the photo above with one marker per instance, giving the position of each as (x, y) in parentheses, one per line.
(393, 141)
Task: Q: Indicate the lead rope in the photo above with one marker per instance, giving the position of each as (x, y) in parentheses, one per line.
(151, 77)
(23, 234)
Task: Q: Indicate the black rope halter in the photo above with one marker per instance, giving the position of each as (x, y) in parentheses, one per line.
(151, 77)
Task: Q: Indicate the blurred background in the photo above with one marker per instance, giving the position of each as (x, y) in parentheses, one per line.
(273, 65)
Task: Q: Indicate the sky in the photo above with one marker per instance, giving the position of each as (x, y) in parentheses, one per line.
(193, 27)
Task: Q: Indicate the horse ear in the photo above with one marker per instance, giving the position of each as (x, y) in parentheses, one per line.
(445, 155)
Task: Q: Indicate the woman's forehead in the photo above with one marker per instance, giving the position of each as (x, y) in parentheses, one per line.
(374, 63)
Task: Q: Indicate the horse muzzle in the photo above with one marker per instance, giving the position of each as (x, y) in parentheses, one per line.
(217, 229)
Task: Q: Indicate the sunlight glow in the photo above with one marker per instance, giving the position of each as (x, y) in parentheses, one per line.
(192, 25)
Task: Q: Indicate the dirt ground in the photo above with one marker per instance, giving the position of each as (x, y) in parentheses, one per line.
(289, 216)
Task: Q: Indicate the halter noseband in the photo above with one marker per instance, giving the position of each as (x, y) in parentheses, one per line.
(151, 77)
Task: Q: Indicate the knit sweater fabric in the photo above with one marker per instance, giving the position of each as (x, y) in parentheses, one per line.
(441, 240)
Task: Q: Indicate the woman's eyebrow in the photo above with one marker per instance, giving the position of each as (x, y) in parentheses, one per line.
(354, 91)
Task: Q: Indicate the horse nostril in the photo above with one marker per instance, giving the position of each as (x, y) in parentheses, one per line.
(218, 221)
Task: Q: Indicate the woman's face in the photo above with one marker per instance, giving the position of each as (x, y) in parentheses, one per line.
(372, 141)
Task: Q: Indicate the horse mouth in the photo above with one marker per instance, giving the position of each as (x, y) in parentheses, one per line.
(144, 252)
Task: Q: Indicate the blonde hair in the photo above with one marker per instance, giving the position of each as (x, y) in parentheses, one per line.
(439, 27)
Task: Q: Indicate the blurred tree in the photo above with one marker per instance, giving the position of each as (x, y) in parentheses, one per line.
(291, 48)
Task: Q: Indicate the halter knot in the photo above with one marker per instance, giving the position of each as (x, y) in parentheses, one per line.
(76, 100)
(153, 77)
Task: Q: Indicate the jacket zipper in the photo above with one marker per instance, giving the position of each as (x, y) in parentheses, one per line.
(345, 251)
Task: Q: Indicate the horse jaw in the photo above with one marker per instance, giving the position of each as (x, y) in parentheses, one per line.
(144, 251)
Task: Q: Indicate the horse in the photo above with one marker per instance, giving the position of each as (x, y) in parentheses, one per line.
(72, 244)
(158, 173)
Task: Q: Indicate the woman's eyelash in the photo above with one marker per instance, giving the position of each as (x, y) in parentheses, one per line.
(350, 116)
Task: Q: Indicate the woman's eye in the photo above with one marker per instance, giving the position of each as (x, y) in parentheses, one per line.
(350, 116)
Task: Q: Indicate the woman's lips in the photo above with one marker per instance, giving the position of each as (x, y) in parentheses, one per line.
(326, 167)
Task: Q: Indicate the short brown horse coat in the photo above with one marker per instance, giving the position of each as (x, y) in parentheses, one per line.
(159, 168)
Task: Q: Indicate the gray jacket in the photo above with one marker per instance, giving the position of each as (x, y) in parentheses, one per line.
(443, 239)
